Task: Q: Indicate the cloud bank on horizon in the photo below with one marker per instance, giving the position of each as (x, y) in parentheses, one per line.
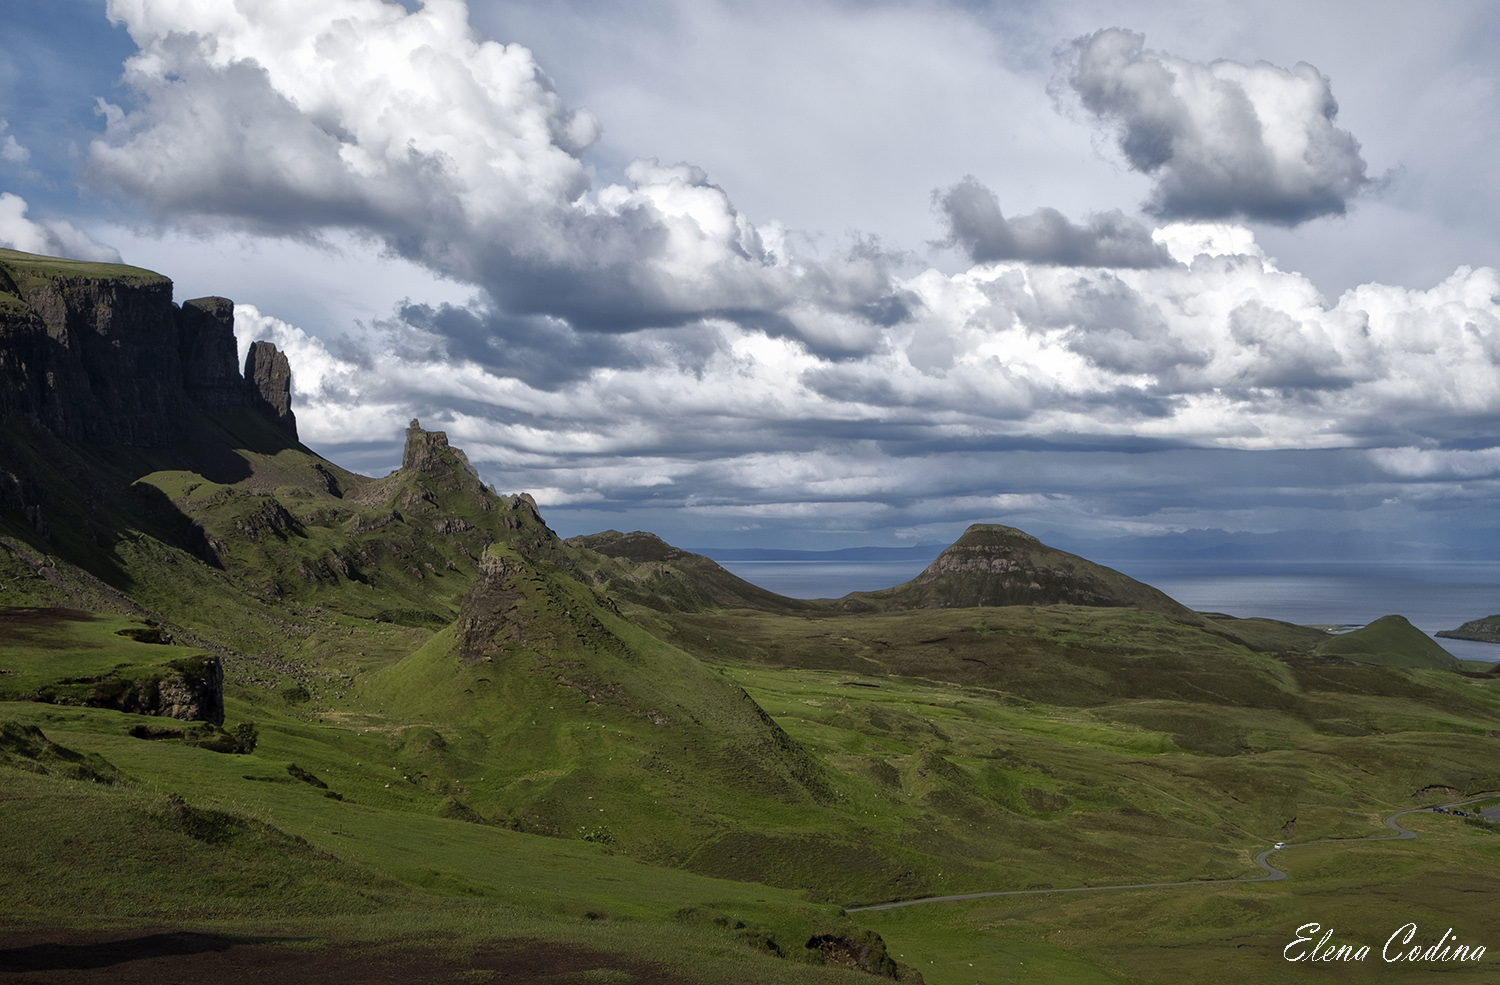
(640, 343)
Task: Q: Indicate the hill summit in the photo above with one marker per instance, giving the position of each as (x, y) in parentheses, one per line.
(994, 565)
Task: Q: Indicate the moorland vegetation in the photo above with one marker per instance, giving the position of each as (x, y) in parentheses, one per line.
(250, 695)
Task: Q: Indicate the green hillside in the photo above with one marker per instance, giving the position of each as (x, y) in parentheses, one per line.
(1389, 641)
(1486, 630)
(994, 565)
(249, 694)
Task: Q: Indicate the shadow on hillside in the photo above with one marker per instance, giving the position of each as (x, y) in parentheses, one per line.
(104, 954)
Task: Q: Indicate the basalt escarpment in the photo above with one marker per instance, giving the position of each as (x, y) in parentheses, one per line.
(99, 353)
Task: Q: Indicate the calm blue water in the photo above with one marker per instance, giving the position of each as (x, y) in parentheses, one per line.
(1433, 595)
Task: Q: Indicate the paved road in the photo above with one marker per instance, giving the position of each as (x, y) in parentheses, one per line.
(1273, 874)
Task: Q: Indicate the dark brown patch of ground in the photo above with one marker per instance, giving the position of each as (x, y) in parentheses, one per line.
(21, 624)
(190, 958)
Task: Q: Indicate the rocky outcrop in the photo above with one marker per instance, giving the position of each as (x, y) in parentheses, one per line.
(193, 694)
(99, 353)
(269, 377)
(864, 952)
(997, 565)
(428, 452)
(190, 689)
(482, 611)
(209, 354)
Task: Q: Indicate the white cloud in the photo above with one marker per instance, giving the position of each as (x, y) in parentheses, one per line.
(1223, 139)
(646, 342)
(1430, 463)
(49, 237)
(11, 149)
(298, 118)
(1228, 352)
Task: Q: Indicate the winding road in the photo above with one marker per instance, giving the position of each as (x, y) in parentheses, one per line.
(1273, 874)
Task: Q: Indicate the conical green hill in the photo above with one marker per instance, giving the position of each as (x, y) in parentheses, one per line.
(992, 565)
(1390, 641)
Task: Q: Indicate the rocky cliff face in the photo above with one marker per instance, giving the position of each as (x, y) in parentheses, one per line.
(99, 353)
(209, 353)
(268, 375)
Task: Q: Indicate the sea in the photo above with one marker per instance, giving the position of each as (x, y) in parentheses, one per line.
(1433, 595)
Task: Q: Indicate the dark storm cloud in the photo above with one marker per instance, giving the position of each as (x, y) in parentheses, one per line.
(545, 353)
(976, 224)
(1222, 139)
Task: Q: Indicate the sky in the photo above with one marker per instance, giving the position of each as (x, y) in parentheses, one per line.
(825, 274)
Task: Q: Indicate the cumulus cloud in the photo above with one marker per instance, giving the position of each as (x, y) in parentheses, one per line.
(1225, 352)
(291, 118)
(50, 237)
(645, 342)
(976, 224)
(11, 149)
(1222, 139)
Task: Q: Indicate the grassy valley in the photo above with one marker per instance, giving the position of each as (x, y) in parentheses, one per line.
(249, 694)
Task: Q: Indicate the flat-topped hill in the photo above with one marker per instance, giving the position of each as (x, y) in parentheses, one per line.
(97, 352)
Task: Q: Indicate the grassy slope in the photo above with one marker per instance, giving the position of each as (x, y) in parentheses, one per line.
(1390, 641)
(22, 267)
(950, 750)
(1361, 892)
(641, 569)
(69, 653)
(983, 790)
(995, 565)
(193, 840)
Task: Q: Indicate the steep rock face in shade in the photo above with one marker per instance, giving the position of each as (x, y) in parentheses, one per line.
(209, 354)
(97, 352)
(269, 375)
(24, 346)
(997, 565)
(105, 366)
